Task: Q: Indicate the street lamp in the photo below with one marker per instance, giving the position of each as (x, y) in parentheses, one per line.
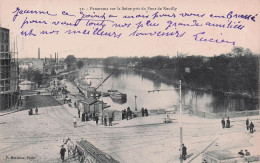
(181, 138)
(180, 102)
(135, 103)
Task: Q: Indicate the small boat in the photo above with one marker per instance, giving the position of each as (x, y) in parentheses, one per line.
(117, 96)
(112, 90)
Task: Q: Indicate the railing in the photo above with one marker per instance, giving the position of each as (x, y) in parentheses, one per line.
(227, 114)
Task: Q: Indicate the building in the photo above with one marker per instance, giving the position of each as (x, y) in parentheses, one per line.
(8, 73)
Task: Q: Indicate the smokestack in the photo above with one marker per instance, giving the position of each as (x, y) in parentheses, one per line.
(45, 59)
(39, 55)
(57, 58)
(50, 56)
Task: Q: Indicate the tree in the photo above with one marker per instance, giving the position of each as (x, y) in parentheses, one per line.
(53, 73)
(70, 60)
(80, 64)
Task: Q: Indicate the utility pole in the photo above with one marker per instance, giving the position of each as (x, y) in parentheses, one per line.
(135, 103)
(181, 138)
(102, 113)
(180, 102)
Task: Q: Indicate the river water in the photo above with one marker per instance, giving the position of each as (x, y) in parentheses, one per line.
(139, 85)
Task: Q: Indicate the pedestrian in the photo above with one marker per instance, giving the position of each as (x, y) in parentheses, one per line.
(183, 152)
(62, 152)
(86, 117)
(110, 121)
(142, 110)
(105, 119)
(79, 113)
(75, 122)
(96, 118)
(223, 122)
(247, 153)
(228, 123)
(145, 112)
(251, 126)
(247, 124)
(83, 117)
(241, 153)
(36, 110)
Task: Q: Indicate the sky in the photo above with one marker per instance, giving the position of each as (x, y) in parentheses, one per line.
(90, 45)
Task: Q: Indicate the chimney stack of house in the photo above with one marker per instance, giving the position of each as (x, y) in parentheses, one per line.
(39, 55)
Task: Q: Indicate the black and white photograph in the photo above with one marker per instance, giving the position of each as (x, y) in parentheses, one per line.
(128, 81)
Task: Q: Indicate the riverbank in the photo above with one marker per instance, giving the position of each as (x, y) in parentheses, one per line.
(168, 79)
(141, 139)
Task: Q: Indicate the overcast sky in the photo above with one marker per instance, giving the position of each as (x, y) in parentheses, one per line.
(96, 46)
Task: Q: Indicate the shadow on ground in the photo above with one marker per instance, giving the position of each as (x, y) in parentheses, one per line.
(40, 101)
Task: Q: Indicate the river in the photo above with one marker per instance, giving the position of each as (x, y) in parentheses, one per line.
(135, 84)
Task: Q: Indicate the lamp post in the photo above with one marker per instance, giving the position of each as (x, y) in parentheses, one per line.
(135, 103)
(181, 138)
(180, 103)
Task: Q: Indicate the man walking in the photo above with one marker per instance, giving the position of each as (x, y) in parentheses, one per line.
(223, 123)
(79, 113)
(62, 152)
(228, 123)
(96, 118)
(105, 119)
(36, 110)
(75, 122)
(184, 152)
(247, 124)
(251, 126)
(142, 110)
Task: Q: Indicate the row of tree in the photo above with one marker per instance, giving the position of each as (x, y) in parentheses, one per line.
(237, 71)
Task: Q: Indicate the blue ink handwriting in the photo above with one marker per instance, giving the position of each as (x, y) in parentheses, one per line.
(198, 37)
(19, 11)
(157, 15)
(66, 13)
(157, 33)
(33, 21)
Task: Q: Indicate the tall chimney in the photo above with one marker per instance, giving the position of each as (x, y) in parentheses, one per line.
(50, 56)
(39, 55)
(55, 57)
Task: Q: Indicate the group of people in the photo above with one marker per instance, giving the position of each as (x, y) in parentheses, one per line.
(30, 112)
(144, 112)
(225, 124)
(74, 151)
(246, 153)
(127, 113)
(250, 126)
(109, 119)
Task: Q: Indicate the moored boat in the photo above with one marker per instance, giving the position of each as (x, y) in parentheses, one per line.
(117, 96)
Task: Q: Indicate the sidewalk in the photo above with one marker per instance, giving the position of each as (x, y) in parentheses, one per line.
(10, 111)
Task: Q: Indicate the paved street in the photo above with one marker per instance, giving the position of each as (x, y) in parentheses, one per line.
(143, 139)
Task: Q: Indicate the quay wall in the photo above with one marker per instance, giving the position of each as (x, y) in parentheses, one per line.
(227, 114)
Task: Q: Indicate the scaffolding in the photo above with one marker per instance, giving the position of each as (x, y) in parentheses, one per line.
(8, 72)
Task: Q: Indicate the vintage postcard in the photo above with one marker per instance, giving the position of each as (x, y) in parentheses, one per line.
(129, 81)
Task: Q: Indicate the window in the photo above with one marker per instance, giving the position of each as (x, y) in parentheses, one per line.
(6, 48)
(2, 37)
(6, 37)
(2, 48)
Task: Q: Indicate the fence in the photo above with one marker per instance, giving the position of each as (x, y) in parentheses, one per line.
(227, 114)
